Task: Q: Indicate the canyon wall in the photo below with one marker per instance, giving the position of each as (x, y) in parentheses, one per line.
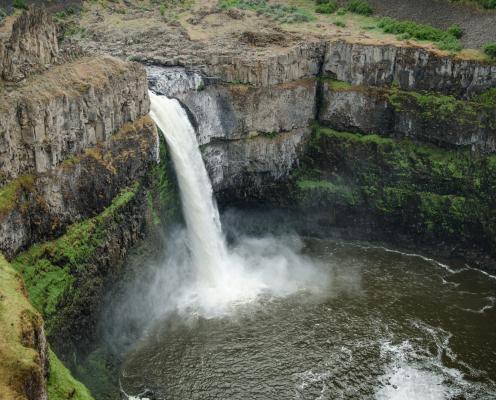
(78, 167)
(413, 135)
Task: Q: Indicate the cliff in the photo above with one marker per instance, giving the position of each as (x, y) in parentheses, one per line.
(28, 44)
(77, 155)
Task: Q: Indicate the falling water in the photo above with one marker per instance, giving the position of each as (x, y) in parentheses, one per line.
(222, 276)
(208, 247)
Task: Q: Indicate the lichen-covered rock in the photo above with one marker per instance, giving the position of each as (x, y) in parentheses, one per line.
(58, 114)
(32, 45)
(413, 68)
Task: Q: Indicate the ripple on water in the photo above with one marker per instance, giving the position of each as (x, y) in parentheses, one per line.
(385, 328)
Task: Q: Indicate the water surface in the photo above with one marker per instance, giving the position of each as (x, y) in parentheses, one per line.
(386, 326)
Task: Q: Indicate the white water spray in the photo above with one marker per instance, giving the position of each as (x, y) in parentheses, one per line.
(222, 277)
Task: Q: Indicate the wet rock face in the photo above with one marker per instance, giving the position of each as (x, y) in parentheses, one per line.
(66, 110)
(31, 46)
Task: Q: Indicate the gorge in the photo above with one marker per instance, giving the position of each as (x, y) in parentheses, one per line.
(201, 201)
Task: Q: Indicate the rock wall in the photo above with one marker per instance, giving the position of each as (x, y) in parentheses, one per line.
(249, 134)
(413, 68)
(41, 206)
(31, 46)
(58, 114)
(427, 117)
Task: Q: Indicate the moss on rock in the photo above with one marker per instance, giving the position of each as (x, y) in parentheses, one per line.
(423, 189)
(62, 385)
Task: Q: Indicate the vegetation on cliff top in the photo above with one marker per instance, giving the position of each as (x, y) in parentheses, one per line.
(17, 361)
(278, 12)
(446, 40)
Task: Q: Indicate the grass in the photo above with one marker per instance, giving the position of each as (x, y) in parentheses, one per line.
(277, 12)
(490, 50)
(487, 4)
(62, 385)
(410, 29)
(326, 8)
(17, 361)
(20, 4)
(9, 194)
(3, 15)
(49, 268)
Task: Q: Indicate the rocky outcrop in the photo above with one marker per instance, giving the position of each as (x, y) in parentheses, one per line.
(249, 134)
(412, 67)
(57, 115)
(427, 117)
(285, 65)
(31, 47)
(41, 206)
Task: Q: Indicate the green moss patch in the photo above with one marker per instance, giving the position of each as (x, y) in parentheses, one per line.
(49, 268)
(61, 384)
(9, 194)
(424, 189)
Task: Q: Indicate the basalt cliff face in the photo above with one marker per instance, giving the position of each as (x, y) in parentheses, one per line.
(77, 155)
(390, 140)
(398, 141)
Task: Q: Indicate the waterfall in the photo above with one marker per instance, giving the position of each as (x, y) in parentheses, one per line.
(208, 247)
(217, 277)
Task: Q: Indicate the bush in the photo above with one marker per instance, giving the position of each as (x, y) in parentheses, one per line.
(455, 31)
(326, 8)
(3, 14)
(360, 7)
(489, 4)
(490, 50)
(20, 4)
(340, 24)
(407, 29)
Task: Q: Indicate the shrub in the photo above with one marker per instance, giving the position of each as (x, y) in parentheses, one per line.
(489, 4)
(162, 10)
(360, 7)
(490, 50)
(403, 29)
(20, 4)
(3, 14)
(455, 31)
(326, 8)
(340, 24)
(278, 12)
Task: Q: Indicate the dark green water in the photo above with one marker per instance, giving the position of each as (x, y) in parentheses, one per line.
(388, 326)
